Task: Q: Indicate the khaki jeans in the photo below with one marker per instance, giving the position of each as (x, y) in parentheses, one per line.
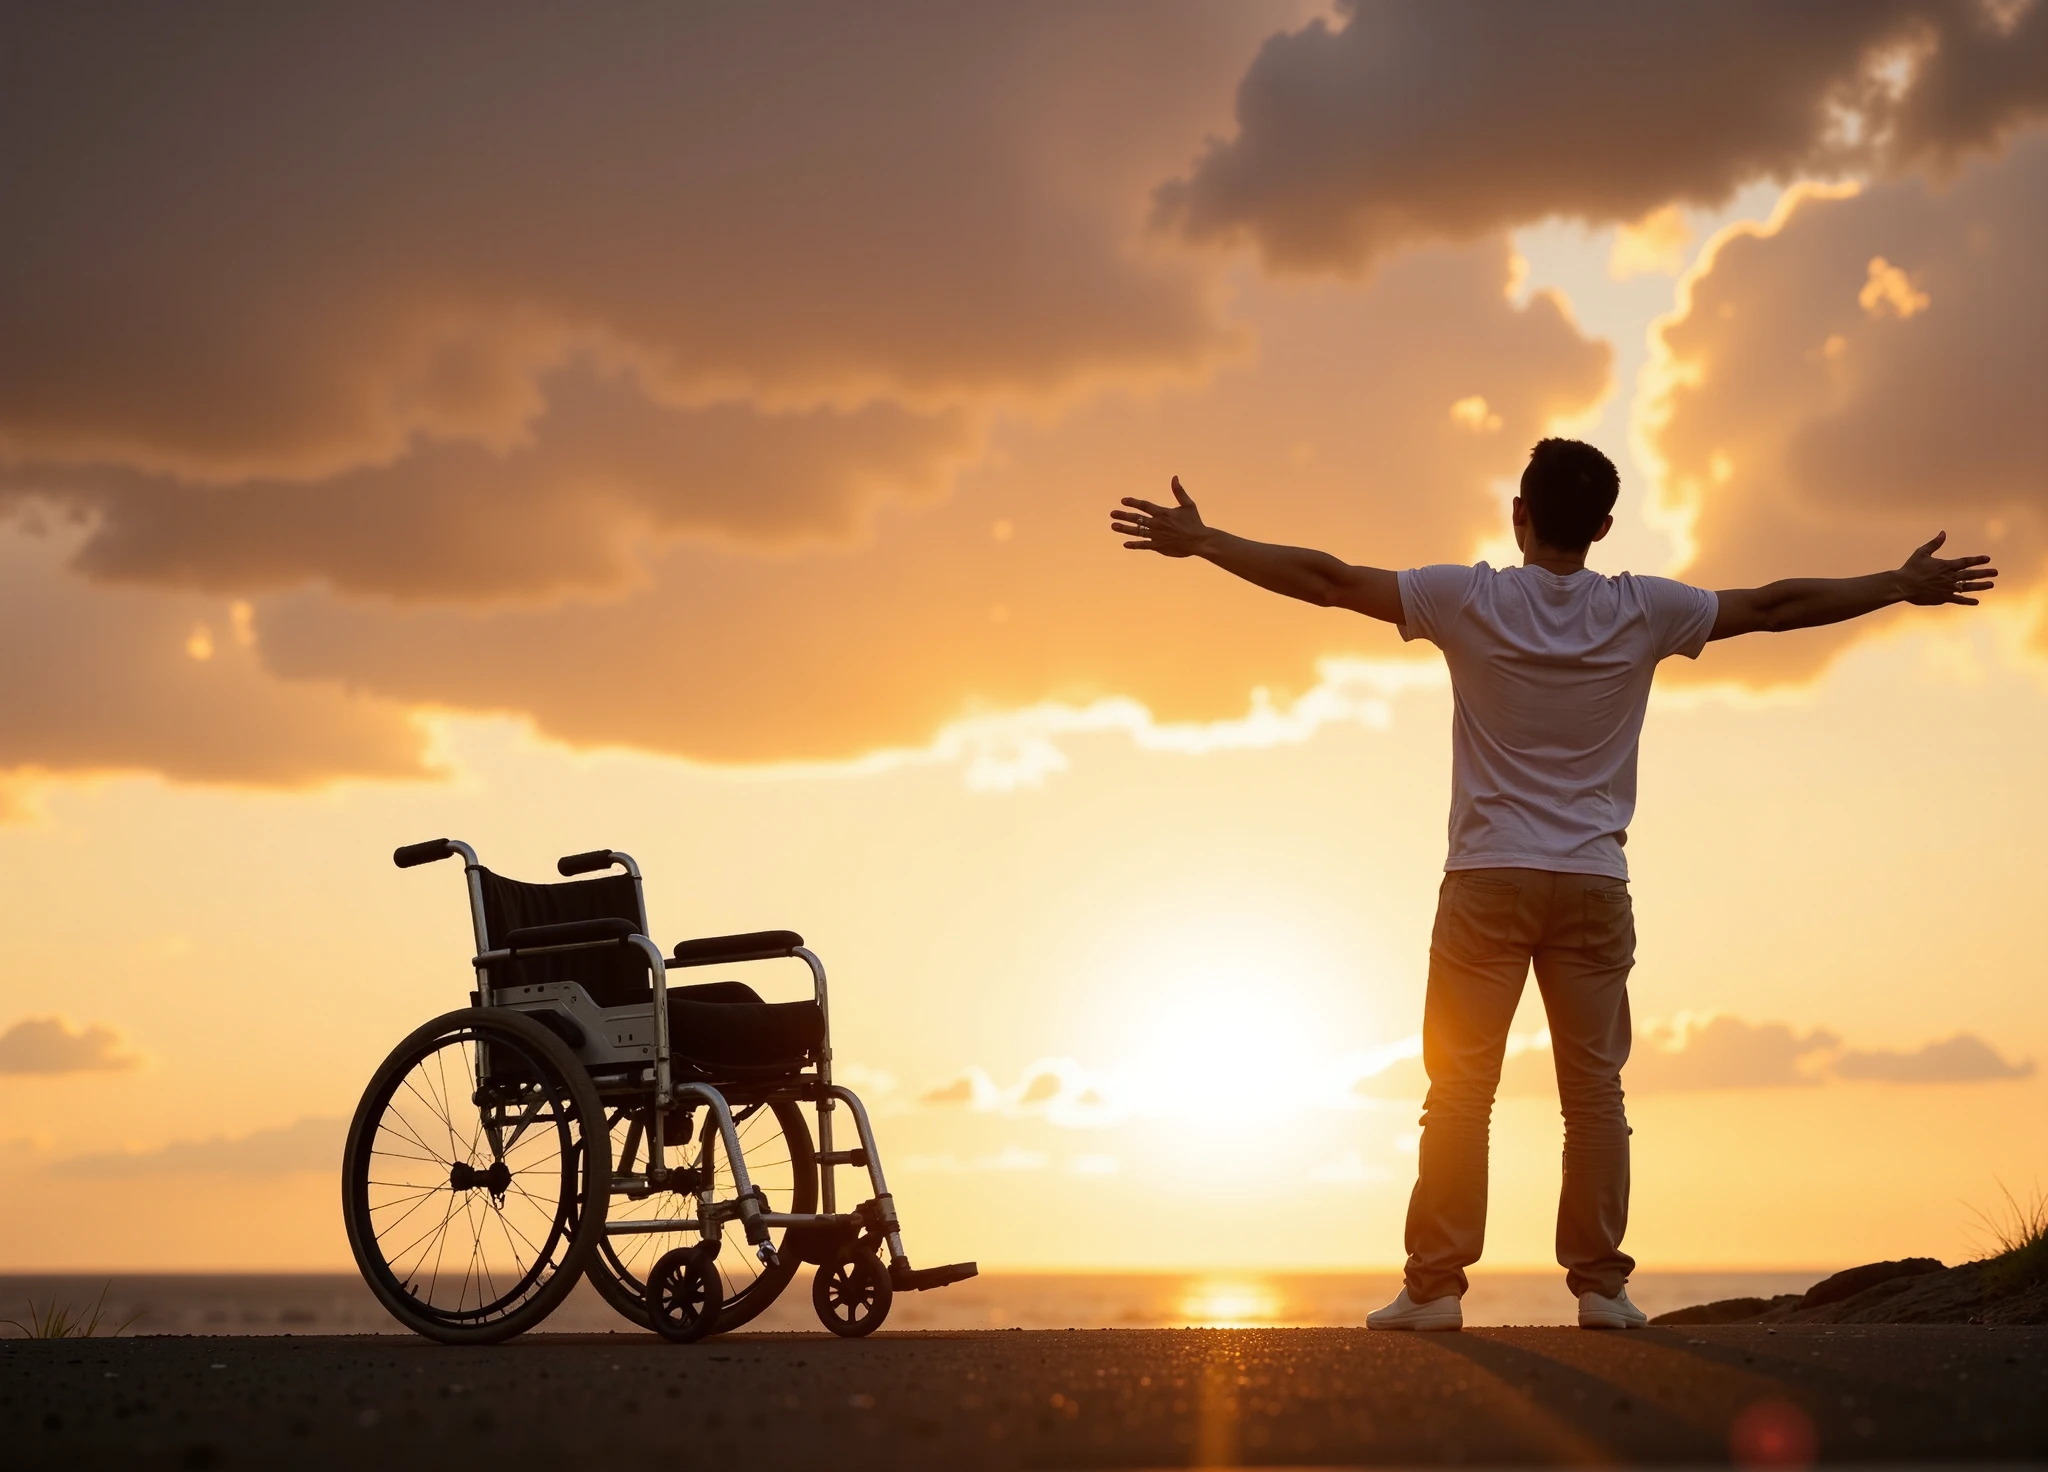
(1579, 929)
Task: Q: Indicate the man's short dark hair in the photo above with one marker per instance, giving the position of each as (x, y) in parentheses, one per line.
(1568, 489)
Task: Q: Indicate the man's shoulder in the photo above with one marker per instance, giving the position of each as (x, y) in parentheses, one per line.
(1432, 596)
(1652, 588)
(1447, 569)
(1446, 576)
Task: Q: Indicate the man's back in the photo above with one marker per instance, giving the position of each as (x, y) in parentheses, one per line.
(1551, 676)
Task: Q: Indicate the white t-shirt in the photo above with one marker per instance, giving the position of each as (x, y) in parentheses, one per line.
(1550, 676)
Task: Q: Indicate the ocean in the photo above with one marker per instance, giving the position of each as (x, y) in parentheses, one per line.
(338, 1303)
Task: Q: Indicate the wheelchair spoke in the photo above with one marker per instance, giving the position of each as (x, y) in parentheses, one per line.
(509, 1227)
(545, 1171)
(433, 1228)
(483, 1261)
(528, 1197)
(425, 1198)
(469, 1267)
(537, 1146)
(480, 1270)
(476, 1132)
(434, 1239)
(418, 1133)
(447, 1209)
(441, 1070)
(439, 1116)
(411, 1136)
(441, 1238)
(407, 1192)
(387, 1154)
(463, 1151)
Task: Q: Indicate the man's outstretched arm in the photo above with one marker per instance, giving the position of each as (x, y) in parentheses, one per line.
(1805, 603)
(1298, 572)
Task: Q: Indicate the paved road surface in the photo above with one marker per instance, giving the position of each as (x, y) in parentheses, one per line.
(1079, 1398)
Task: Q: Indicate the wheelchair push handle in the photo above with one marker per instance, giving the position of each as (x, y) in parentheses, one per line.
(423, 853)
(597, 858)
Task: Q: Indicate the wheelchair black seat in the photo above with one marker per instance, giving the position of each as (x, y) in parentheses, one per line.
(721, 1025)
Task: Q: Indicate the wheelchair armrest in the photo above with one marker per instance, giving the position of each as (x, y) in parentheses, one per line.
(717, 950)
(571, 933)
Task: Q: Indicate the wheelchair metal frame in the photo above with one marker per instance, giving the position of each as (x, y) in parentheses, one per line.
(626, 1050)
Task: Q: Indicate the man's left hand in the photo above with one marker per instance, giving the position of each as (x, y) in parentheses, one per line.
(1171, 531)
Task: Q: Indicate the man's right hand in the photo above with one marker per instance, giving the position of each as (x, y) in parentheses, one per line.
(1294, 572)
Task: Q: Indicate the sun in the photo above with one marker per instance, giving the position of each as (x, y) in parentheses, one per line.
(1244, 1001)
(1256, 1046)
(1228, 1303)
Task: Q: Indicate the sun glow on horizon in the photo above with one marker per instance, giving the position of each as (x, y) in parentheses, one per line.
(1229, 1303)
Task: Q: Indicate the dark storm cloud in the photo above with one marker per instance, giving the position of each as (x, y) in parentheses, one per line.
(364, 249)
(602, 473)
(1407, 122)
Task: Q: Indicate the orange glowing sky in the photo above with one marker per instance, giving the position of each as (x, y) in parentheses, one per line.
(693, 433)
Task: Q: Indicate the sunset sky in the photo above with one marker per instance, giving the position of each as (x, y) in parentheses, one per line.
(692, 431)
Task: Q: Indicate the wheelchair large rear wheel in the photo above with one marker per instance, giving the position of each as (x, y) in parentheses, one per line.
(475, 1176)
(781, 1161)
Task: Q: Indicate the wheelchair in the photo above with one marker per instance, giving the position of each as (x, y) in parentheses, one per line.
(582, 1117)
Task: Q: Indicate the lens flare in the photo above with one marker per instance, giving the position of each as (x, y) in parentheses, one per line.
(1772, 1433)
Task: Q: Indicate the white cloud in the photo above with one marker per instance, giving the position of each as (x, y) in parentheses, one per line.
(1010, 750)
(1059, 1090)
(972, 1089)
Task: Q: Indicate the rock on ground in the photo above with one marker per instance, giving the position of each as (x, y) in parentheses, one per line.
(1914, 1290)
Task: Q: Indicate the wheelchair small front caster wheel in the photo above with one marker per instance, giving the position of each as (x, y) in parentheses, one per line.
(683, 1295)
(852, 1293)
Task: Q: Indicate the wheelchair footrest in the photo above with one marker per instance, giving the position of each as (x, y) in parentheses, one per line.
(906, 1279)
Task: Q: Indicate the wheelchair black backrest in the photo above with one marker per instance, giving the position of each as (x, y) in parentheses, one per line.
(613, 975)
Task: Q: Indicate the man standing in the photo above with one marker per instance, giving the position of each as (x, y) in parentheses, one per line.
(1550, 677)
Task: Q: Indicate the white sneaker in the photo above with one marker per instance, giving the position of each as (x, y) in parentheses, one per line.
(1405, 1313)
(1597, 1311)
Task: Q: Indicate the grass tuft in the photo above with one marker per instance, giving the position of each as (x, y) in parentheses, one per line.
(60, 1321)
(2019, 1238)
